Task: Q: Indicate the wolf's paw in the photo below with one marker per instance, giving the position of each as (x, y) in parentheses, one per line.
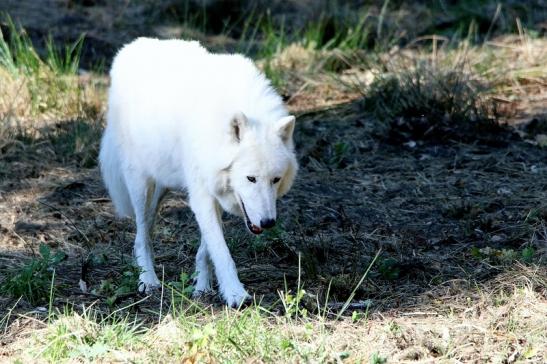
(235, 296)
(148, 283)
(201, 293)
(202, 284)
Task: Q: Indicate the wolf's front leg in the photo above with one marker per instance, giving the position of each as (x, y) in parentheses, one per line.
(207, 214)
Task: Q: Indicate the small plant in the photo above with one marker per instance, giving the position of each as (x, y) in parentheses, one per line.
(394, 328)
(377, 359)
(274, 38)
(75, 140)
(87, 336)
(292, 303)
(182, 289)
(33, 280)
(18, 55)
(261, 242)
(64, 62)
(274, 74)
(44, 84)
(357, 316)
(340, 152)
(389, 268)
(527, 254)
(536, 215)
(123, 286)
(503, 256)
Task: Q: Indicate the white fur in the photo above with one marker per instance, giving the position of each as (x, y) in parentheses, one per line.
(180, 117)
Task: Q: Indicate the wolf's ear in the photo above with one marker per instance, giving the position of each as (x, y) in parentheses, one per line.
(285, 128)
(238, 126)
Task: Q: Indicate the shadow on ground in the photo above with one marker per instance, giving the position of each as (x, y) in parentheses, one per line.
(447, 217)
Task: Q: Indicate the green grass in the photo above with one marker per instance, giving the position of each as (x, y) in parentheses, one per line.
(116, 289)
(188, 331)
(226, 336)
(86, 336)
(19, 56)
(34, 280)
(41, 86)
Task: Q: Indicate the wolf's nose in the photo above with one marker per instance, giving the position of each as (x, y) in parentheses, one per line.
(267, 223)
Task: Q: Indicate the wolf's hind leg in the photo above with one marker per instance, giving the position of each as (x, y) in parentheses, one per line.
(140, 190)
(154, 195)
(202, 282)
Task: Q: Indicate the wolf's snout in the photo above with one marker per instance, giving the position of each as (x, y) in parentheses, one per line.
(267, 223)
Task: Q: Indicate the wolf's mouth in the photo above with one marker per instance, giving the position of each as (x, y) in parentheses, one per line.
(252, 227)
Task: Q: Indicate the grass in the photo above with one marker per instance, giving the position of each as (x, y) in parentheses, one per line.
(37, 88)
(455, 281)
(33, 281)
(195, 333)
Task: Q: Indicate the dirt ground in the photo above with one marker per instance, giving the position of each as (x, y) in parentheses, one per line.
(428, 207)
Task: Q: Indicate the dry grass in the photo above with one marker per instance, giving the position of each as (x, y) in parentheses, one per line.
(30, 103)
(505, 322)
(511, 66)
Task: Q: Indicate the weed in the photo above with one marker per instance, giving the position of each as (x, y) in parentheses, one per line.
(123, 286)
(394, 328)
(181, 290)
(503, 256)
(527, 254)
(274, 74)
(67, 62)
(357, 316)
(262, 241)
(33, 281)
(536, 216)
(18, 54)
(339, 154)
(76, 140)
(377, 359)
(274, 38)
(389, 268)
(292, 303)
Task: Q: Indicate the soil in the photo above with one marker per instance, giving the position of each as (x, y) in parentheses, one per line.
(428, 207)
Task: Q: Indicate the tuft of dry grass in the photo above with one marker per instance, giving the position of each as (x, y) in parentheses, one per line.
(503, 322)
(36, 91)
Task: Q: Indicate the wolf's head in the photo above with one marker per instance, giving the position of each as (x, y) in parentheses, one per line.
(263, 169)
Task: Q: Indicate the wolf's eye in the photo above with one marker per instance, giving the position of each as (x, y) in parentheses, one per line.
(251, 179)
(276, 179)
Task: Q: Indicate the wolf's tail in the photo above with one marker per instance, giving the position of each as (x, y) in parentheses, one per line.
(109, 159)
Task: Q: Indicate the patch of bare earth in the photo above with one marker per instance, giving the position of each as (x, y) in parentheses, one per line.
(427, 207)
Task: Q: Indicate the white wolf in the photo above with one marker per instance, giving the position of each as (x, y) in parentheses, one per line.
(180, 117)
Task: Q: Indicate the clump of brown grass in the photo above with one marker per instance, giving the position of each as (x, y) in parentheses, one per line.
(428, 101)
